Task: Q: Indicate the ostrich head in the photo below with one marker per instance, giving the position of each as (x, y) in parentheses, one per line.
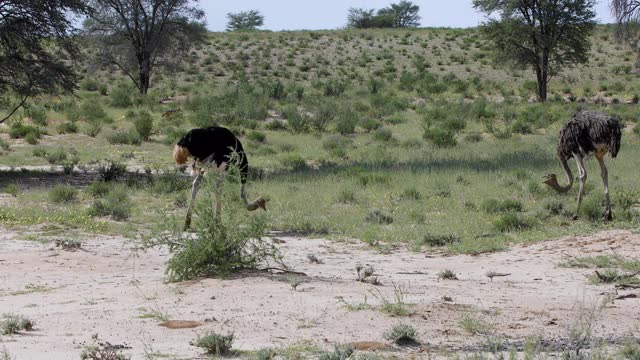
(259, 203)
(180, 154)
(552, 181)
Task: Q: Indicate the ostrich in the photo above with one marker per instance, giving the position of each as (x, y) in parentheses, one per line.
(214, 148)
(588, 132)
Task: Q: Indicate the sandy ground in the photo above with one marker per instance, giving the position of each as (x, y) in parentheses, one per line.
(107, 287)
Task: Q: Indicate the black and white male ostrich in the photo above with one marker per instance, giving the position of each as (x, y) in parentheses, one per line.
(588, 132)
(214, 148)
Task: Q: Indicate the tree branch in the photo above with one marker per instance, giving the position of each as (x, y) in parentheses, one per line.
(15, 109)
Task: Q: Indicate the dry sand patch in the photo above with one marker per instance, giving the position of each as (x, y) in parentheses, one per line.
(111, 289)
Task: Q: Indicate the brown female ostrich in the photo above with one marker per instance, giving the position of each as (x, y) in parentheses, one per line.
(214, 148)
(588, 132)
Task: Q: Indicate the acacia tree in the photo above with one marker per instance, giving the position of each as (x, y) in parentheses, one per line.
(627, 13)
(140, 35)
(245, 20)
(359, 18)
(545, 35)
(35, 38)
(404, 14)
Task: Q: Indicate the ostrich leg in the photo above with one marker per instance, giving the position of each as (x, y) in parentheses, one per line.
(194, 190)
(605, 179)
(583, 179)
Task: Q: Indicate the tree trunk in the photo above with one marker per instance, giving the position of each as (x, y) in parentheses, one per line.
(144, 76)
(542, 76)
(541, 84)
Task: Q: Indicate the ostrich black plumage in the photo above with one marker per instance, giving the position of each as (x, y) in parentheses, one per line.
(214, 148)
(588, 133)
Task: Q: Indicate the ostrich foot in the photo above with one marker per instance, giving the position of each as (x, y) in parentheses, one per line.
(259, 203)
(608, 216)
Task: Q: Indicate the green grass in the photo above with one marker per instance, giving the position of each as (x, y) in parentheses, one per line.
(331, 161)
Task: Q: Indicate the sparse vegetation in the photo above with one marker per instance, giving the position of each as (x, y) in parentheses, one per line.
(402, 334)
(12, 324)
(447, 275)
(215, 344)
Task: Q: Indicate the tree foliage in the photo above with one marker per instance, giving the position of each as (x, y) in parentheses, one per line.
(245, 20)
(627, 13)
(140, 35)
(35, 40)
(398, 15)
(404, 14)
(545, 35)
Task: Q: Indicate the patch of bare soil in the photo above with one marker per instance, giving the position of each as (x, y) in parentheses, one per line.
(110, 289)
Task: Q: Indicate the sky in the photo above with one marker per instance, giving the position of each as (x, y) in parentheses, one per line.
(332, 14)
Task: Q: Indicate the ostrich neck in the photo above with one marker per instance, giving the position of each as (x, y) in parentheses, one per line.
(567, 170)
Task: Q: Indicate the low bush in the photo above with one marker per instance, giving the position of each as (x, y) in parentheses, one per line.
(143, 123)
(511, 222)
(124, 138)
(215, 344)
(219, 246)
(115, 203)
(63, 194)
(494, 206)
(401, 334)
(111, 170)
(12, 323)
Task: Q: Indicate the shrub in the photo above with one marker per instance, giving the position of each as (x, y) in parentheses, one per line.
(298, 123)
(493, 206)
(411, 194)
(511, 222)
(591, 210)
(116, 203)
(294, 162)
(121, 96)
(91, 110)
(39, 152)
(376, 216)
(89, 84)
(440, 240)
(554, 206)
(440, 137)
(111, 170)
(11, 324)
(257, 136)
(12, 190)
(345, 121)
(144, 125)
(169, 183)
(383, 135)
(214, 343)
(347, 196)
(336, 145)
(401, 334)
(38, 114)
(334, 87)
(340, 352)
(124, 138)
(370, 124)
(99, 188)
(447, 274)
(60, 157)
(63, 194)
(18, 130)
(68, 127)
(220, 247)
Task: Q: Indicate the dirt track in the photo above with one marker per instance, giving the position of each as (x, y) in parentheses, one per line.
(107, 287)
